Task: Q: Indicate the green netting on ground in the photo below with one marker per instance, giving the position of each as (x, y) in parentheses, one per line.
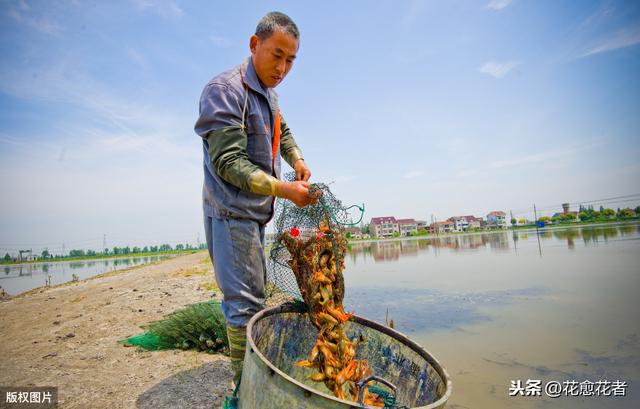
(281, 282)
(197, 326)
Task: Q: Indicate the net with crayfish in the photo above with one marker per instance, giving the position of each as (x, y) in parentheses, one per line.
(307, 261)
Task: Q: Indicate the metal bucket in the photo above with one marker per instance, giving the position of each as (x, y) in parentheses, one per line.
(281, 336)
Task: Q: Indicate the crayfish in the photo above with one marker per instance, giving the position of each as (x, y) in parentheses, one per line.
(317, 262)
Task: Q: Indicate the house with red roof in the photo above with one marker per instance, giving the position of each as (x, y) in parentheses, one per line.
(474, 222)
(442, 227)
(460, 223)
(383, 227)
(407, 226)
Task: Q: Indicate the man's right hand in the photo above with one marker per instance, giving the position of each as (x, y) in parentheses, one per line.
(297, 192)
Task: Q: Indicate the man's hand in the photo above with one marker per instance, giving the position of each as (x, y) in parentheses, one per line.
(297, 192)
(302, 171)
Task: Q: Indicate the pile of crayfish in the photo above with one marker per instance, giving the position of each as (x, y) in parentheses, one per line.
(317, 261)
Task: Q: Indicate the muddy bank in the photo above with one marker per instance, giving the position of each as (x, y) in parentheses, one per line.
(67, 336)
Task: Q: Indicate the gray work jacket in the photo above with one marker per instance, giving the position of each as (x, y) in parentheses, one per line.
(221, 106)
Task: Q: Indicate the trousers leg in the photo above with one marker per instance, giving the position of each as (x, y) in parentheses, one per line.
(239, 266)
(240, 271)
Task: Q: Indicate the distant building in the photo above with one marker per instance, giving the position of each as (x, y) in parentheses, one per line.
(474, 222)
(383, 227)
(497, 220)
(26, 255)
(442, 227)
(407, 226)
(459, 223)
(354, 232)
(422, 225)
(565, 211)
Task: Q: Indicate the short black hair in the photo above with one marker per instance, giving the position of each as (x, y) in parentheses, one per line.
(276, 21)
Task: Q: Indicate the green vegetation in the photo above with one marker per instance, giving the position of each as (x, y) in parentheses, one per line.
(79, 254)
(197, 326)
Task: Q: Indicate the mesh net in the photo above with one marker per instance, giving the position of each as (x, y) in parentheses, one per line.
(305, 222)
(196, 326)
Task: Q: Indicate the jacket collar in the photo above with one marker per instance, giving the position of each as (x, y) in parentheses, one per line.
(250, 77)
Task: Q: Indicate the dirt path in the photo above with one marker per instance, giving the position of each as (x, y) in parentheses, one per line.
(67, 336)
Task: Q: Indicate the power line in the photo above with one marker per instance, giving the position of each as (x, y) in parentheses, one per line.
(607, 200)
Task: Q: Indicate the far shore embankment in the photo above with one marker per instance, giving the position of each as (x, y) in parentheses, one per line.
(547, 228)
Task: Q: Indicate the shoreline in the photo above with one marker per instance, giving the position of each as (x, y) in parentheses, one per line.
(109, 273)
(66, 336)
(475, 233)
(103, 257)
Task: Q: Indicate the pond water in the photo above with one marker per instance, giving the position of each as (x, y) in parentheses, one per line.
(17, 278)
(561, 306)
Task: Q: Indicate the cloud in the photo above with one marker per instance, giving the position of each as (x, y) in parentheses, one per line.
(498, 4)
(12, 140)
(545, 156)
(549, 159)
(601, 15)
(24, 16)
(137, 58)
(498, 70)
(413, 174)
(542, 157)
(113, 123)
(163, 8)
(622, 39)
(220, 41)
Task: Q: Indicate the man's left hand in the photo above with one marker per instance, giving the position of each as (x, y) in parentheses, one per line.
(302, 171)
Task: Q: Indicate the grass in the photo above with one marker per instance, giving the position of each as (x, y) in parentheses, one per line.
(209, 286)
(199, 270)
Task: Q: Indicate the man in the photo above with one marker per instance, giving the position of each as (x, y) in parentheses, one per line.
(244, 136)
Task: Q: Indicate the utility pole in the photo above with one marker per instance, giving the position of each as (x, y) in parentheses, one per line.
(104, 242)
(535, 214)
(513, 233)
(432, 225)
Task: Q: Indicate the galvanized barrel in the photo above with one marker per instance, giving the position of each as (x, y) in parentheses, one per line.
(281, 336)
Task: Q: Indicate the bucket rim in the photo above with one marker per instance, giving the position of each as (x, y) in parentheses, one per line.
(417, 348)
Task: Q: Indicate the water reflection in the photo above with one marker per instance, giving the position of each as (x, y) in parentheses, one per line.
(492, 310)
(392, 250)
(23, 277)
(429, 310)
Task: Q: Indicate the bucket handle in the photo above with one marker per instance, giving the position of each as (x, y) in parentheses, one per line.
(363, 382)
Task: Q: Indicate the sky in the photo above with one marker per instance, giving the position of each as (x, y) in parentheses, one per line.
(416, 109)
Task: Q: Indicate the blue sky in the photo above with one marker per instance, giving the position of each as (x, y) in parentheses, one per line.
(413, 108)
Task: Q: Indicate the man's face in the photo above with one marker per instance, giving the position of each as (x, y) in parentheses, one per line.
(273, 57)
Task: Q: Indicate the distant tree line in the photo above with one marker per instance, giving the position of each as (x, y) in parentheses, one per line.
(588, 213)
(115, 251)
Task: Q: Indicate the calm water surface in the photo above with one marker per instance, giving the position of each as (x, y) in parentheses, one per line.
(506, 306)
(17, 278)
